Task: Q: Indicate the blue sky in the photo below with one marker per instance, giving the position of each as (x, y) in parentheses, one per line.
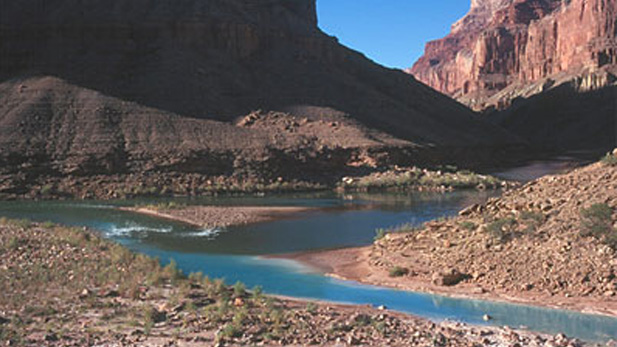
(391, 32)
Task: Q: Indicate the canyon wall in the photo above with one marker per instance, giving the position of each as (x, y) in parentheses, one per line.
(517, 42)
(506, 54)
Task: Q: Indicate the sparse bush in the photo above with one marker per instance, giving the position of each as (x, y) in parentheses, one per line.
(381, 327)
(148, 320)
(611, 240)
(537, 217)
(47, 189)
(501, 228)
(230, 331)
(218, 287)
(13, 243)
(362, 320)
(48, 225)
(311, 307)
(609, 159)
(239, 289)
(171, 272)
(597, 221)
(21, 223)
(532, 220)
(380, 234)
(240, 317)
(398, 271)
(468, 225)
(257, 292)
(196, 277)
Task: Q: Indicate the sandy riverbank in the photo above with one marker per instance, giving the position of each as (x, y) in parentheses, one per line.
(353, 264)
(220, 216)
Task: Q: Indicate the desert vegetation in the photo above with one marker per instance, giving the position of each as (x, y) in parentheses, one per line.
(401, 179)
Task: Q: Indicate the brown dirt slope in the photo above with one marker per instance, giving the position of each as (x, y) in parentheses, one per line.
(135, 86)
(547, 243)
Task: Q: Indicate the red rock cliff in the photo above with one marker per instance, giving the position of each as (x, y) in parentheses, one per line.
(504, 43)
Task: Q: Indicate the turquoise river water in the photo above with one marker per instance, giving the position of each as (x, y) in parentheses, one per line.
(236, 253)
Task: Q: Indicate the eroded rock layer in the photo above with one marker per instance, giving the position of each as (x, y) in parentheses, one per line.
(519, 41)
(506, 51)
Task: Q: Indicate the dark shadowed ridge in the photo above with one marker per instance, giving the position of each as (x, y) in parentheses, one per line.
(91, 86)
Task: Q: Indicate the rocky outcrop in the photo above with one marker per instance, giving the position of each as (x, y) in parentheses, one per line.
(500, 43)
(505, 51)
(133, 86)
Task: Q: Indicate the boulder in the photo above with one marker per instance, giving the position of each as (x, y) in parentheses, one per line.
(449, 277)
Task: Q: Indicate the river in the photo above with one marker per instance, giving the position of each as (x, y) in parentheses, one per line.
(235, 253)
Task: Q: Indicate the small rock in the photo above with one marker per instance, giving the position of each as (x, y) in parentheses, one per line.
(110, 294)
(478, 290)
(352, 341)
(469, 210)
(51, 337)
(528, 287)
(84, 294)
(560, 337)
(381, 307)
(238, 302)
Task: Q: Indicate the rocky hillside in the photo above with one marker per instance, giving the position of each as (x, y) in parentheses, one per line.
(212, 87)
(551, 242)
(551, 63)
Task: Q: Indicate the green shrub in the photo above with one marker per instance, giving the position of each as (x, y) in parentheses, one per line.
(468, 225)
(196, 277)
(311, 307)
(171, 272)
(537, 217)
(48, 225)
(501, 228)
(47, 189)
(609, 159)
(13, 243)
(611, 240)
(398, 271)
(257, 292)
(597, 221)
(239, 289)
(230, 331)
(380, 234)
(21, 223)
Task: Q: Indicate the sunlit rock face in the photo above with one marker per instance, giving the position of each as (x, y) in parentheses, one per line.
(517, 42)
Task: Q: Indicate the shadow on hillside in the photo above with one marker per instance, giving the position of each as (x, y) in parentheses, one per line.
(563, 119)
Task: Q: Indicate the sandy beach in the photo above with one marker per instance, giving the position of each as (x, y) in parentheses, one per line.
(220, 216)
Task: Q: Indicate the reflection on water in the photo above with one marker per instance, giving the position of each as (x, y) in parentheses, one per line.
(337, 221)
